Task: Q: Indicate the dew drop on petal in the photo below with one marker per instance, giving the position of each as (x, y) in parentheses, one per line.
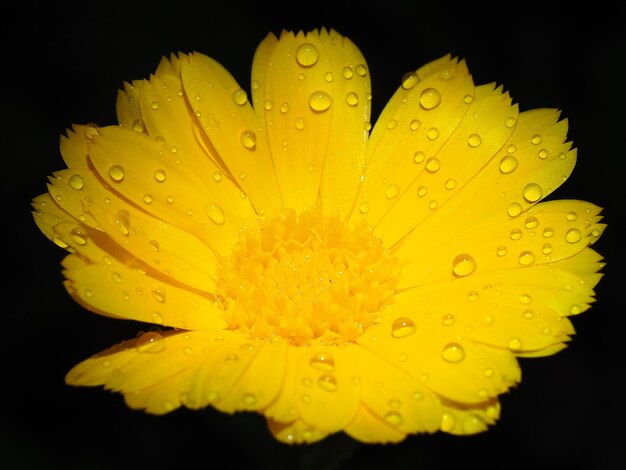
(154, 245)
(532, 192)
(364, 207)
(418, 157)
(514, 344)
(510, 122)
(322, 361)
(307, 55)
(240, 97)
(394, 418)
(432, 133)
(116, 172)
(536, 139)
(150, 342)
(448, 319)
(249, 399)
(531, 222)
(508, 164)
(147, 198)
(409, 80)
(447, 422)
(430, 98)
(361, 70)
(501, 251)
(159, 294)
(514, 209)
(515, 234)
(76, 182)
(138, 125)
(217, 176)
(453, 352)
(526, 258)
(474, 140)
(463, 265)
(542, 154)
(433, 164)
(392, 191)
(347, 72)
(320, 101)
(159, 175)
(352, 99)
(415, 124)
(327, 382)
(422, 191)
(573, 235)
(215, 212)
(79, 235)
(248, 139)
(450, 184)
(403, 327)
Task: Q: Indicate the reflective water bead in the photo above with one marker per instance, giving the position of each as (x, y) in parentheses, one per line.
(573, 235)
(215, 213)
(307, 55)
(532, 192)
(248, 139)
(432, 133)
(448, 319)
(299, 124)
(160, 175)
(450, 184)
(543, 154)
(328, 76)
(151, 342)
(474, 140)
(352, 99)
(217, 176)
(409, 80)
(415, 124)
(546, 249)
(418, 157)
(322, 361)
(361, 70)
(147, 198)
(284, 108)
(154, 105)
(320, 101)
(531, 222)
(501, 251)
(463, 265)
(116, 172)
(394, 418)
(240, 97)
(514, 209)
(536, 139)
(514, 344)
(347, 72)
(515, 234)
(422, 191)
(138, 125)
(510, 122)
(508, 164)
(327, 382)
(79, 235)
(430, 98)
(154, 244)
(526, 258)
(392, 191)
(268, 105)
(571, 216)
(76, 182)
(159, 294)
(403, 327)
(433, 164)
(548, 232)
(473, 296)
(364, 207)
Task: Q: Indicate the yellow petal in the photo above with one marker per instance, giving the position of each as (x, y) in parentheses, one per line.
(463, 420)
(144, 172)
(69, 188)
(74, 147)
(226, 117)
(311, 91)
(47, 214)
(134, 295)
(392, 395)
(295, 432)
(370, 428)
(127, 106)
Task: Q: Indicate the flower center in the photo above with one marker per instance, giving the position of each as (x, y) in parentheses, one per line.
(307, 279)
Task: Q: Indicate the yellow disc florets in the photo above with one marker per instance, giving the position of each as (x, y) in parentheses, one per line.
(307, 279)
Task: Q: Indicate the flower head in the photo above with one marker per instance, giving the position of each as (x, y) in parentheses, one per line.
(296, 261)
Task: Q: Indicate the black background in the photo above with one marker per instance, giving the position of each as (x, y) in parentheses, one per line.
(63, 64)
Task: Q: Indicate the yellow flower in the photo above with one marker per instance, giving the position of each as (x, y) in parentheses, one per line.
(296, 265)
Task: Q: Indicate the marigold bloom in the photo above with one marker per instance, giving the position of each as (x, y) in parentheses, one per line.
(298, 266)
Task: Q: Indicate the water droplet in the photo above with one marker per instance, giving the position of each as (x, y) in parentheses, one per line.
(299, 124)
(79, 235)
(284, 108)
(248, 139)
(571, 216)
(159, 294)
(322, 361)
(147, 198)
(432, 204)
(391, 124)
(514, 209)
(138, 125)
(392, 191)
(347, 72)
(269, 104)
(474, 140)
(327, 382)
(156, 317)
(463, 265)
(526, 258)
(394, 418)
(432, 133)
(543, 154)
(510, 122)
(328, 76)
(473, 296)
(364, 207)
(249, 399)
(217, 176)
(409, 80)
(150, 342)
(448, 74)
(352, 99)
(450, 184)
(531, 222)
(240, 97)
(256, 84)
(320, 101)
(508, 164)
(501, 251)
(122, 221)
(307, 54)
(215, 213)
(447, 422)
(159, 175)
(418, 157)
(546, 249)
(532, 192)
(573, 235)
(448, 319)
(453, 352)
(361, 70)
(515, 344)
(430, 98)
(536, 139)
(433, 164)
(515, 234)
(76, 182)
(154, 105)
(415, 124)
(402, 327)
(116, 172)
(467, 99)
(422, 191)
(154, 244)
